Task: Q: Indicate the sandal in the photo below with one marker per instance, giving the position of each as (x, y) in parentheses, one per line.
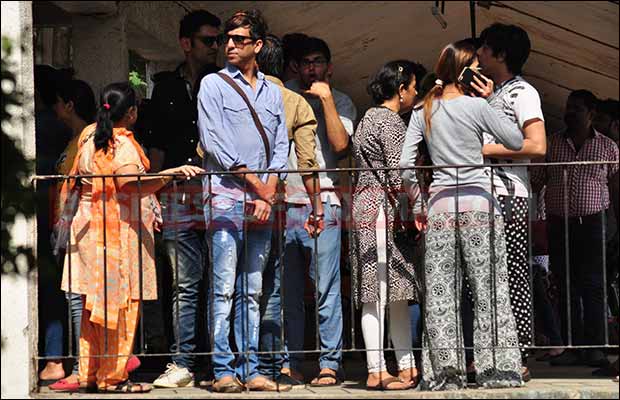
(227, 384)
(315, 381)
(127, 387)
(267, 385)
(385, 384)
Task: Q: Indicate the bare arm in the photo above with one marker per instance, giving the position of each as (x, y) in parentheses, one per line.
(337, 135)
(150, 184)
(534, 143)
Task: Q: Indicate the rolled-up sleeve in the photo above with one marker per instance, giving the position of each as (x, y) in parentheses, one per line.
(215, 136)
(304, 132)
(280, 151)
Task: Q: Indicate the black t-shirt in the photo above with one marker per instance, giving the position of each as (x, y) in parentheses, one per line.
(174, 116)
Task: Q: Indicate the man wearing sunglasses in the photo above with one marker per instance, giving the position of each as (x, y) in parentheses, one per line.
(238, 208)
(335, 113)
(173, 140)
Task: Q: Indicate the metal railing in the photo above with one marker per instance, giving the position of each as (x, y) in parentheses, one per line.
(206, 197)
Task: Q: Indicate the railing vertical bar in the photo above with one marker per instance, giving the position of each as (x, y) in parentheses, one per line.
(281, 238)
(140, 266)
(492, 236)
(245, 288)
(209, 232)
(567, 257)
(69, 274)
(173, 204)
(604, 266)
(350, 226)
(105, 272)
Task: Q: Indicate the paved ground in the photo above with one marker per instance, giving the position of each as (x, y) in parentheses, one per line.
(548, 382)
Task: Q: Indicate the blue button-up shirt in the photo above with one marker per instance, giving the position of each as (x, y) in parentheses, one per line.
(229, 135)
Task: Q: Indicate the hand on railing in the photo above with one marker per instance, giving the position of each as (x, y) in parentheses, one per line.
(189, 171)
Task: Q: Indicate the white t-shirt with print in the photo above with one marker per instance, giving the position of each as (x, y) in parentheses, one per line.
(520, 101)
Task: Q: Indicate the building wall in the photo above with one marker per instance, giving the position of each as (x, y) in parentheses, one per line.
(19, 322)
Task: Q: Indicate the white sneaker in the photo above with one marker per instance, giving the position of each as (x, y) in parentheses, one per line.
(174, 377)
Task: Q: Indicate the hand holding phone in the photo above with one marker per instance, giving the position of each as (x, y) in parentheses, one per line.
(478, 83)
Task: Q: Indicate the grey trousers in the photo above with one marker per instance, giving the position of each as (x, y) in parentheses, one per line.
(475, 246)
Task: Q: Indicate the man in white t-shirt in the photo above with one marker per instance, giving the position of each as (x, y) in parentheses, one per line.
(335, 114)
(504, 49)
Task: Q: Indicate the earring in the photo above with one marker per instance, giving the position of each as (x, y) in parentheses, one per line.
(401, 99)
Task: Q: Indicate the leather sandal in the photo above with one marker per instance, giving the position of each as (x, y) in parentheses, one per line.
(334, 376)
(385, 384)
(227, 384)
(263, 384)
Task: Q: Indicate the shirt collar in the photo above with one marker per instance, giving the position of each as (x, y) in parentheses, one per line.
(234, 72)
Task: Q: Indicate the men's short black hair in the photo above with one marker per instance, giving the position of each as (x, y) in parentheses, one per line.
(588, 98)
(48, 79)
(315, 45)
(270, 59)
(251, 19)
(192, 22)
(511, 41)
(609, 107)
(292, 45)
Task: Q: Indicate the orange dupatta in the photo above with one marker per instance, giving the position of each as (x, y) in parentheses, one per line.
(107, 232)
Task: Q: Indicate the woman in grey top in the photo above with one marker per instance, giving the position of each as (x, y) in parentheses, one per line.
(382, 268)
(464, 232)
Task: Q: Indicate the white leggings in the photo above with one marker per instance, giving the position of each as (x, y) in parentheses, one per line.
(373, 316)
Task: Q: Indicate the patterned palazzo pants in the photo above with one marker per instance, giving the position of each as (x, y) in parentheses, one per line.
(477, 248)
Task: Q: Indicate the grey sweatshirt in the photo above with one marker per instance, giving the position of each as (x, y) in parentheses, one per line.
(456, 137)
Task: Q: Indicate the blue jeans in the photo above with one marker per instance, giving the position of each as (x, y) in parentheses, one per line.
(270, 308)
(75, 301)
(298, 254)
(184, 245)
(238, 263)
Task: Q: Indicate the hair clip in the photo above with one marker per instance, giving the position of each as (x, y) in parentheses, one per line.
(400, 68)
(438, 82)
(106, 106)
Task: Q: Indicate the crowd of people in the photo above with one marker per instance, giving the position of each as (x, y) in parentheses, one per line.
(236, 230)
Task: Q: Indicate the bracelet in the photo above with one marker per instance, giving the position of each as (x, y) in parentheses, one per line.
(318, 217)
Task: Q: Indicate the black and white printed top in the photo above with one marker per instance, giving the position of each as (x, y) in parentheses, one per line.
(377, 143)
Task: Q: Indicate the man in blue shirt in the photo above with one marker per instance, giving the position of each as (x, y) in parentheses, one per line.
(238, 206)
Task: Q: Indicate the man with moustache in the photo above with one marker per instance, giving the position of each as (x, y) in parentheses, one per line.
(586, 188)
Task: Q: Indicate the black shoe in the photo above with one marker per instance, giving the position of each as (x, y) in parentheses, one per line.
(287, 380)
(595, 358)
(567, 358)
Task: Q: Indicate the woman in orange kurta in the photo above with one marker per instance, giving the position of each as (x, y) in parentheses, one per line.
(103, 262)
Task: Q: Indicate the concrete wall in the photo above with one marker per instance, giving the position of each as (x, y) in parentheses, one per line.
(19, 326)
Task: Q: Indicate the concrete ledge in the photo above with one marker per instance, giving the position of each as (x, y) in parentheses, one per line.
(535, 389)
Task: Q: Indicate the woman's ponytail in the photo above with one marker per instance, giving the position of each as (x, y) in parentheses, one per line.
(116, 100)
(105, 126)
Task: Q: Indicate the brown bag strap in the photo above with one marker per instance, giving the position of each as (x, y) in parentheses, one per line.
(259, 125)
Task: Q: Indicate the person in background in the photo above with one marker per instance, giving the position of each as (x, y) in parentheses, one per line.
(380, 281)
(503, 52)
(586, 188)
(292, 46)
(110, 267)
(463, 232)
(607, 122)
(301, 126)
(335, 113)
(173, 142)
(51, 137)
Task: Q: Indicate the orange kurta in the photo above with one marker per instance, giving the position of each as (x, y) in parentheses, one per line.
(86, 250)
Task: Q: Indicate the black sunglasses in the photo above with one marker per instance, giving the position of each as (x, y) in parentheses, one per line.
(238, 40)
(209, 40)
